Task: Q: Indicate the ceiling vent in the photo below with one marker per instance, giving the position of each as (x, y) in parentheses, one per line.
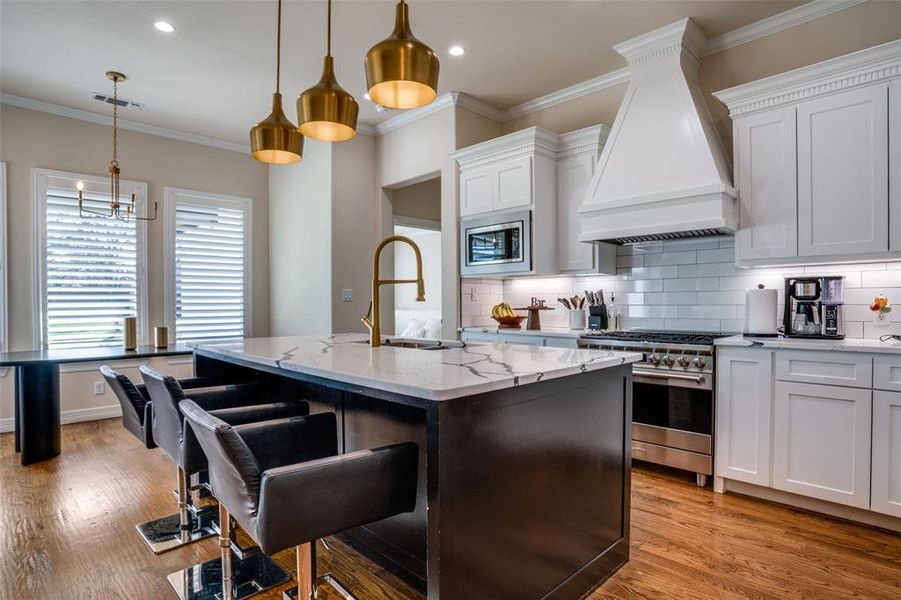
(120, 102)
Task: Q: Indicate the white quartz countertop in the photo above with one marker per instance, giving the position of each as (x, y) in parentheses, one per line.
(544, 331)
(845, 345)
(428, 374)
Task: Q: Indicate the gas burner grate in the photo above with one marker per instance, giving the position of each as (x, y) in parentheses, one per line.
(660, 337)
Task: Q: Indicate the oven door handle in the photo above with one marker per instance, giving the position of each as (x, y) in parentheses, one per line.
(699, 379)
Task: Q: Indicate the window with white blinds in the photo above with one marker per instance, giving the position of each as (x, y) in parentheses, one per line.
(210, 265)
(92, 276)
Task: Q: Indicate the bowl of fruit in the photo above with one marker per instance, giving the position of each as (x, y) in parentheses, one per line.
(505, 317)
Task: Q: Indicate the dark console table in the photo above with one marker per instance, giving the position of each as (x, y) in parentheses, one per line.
(37, 413)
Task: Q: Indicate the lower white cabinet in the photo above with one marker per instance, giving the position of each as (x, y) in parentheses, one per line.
(744, 414)
(886, 484)
(821, 442)
(519, 338)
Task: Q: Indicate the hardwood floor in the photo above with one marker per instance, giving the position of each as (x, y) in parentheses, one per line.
(67, 531)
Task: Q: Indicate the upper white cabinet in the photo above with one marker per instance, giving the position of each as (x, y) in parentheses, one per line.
(843, 173)
(894, 167)
(744, 402)
(476, 191)
(812, 161)
(537, 170)
(766, 172)
(577, 157)
(886, 481)
(513, 171)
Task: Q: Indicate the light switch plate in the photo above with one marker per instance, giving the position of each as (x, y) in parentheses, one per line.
(98, 388)
(347, 295)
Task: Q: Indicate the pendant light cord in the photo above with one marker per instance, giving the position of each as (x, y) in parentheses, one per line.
(278, 50)
(329, 42)
(115, 161)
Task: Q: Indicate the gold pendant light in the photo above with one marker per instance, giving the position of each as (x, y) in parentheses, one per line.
(326, 111)
(401, 71)
(275, 139)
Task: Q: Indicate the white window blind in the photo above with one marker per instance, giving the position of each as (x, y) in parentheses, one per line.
(210, 274)
(90, 270)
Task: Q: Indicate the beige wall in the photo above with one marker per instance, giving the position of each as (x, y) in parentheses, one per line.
(420, 201)
(868, 24)
(355, 229)
(30, 139)
(300, 239)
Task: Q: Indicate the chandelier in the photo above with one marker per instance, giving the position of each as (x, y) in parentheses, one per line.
(119, 210)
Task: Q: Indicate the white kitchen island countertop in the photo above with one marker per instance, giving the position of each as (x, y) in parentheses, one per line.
(428, 374)
(873, 346)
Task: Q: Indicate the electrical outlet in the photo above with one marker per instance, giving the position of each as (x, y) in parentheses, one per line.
(347, 295)
(98, 388)
(473, 297)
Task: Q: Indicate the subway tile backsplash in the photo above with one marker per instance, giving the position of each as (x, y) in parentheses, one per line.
(686, 284)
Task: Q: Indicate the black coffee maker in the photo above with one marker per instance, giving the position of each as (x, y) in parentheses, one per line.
(813, 307)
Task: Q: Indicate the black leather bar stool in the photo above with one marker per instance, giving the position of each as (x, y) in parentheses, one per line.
(239, 403)
(285, 484)
(137, 409)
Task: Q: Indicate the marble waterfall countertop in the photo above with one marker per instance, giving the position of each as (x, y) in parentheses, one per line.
(846, 345)
(429, 374)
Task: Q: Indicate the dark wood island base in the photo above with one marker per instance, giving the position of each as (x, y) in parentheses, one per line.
(523, 491)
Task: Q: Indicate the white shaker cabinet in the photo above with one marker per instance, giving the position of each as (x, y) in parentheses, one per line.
(886, 484)
(573, 175)
(743, 414)
(894, 167)
(476, 191)
(821, 442)
(843, 173)
(766, 169)
(513, 183)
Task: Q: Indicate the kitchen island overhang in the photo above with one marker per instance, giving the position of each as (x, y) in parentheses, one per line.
(524, 454)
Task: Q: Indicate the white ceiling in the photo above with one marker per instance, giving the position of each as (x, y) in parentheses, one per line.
(214, 76)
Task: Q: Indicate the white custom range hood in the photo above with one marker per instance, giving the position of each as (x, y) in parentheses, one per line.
(662, 173)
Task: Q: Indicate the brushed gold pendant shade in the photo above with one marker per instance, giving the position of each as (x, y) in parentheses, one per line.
(401, 71)
(275, 139)
(327, 111)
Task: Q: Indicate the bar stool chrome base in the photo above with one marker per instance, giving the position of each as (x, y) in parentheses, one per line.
(250, 576)
(166, 533)
(327, 579)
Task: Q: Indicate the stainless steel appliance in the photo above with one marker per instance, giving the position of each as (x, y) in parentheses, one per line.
(672, 395)
(496, 244)
(813, 307)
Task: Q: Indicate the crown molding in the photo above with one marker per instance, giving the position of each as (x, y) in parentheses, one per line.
(776, 23)
(862, 68)
(477, 106)
(581, 141)
(669, 40)
(92, 117)
(533, 140)
(414, 114)
(566, 94)
(366, 129)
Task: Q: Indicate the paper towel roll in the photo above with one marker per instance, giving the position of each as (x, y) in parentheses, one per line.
(760, 312)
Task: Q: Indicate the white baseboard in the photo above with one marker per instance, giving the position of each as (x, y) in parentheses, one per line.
(74, 416)
(848, 513)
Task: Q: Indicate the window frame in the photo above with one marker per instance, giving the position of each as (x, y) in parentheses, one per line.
(42, 180)
(171, 198)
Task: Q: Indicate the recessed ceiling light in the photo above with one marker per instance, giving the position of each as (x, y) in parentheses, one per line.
(456, 50)
(366, 95)
(164, 26)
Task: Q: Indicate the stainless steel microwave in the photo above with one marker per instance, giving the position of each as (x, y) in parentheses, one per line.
(496, 244)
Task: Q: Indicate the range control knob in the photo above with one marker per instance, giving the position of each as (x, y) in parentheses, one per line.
(654, 359)
(700, 362)
(683, 361)
(668, 360)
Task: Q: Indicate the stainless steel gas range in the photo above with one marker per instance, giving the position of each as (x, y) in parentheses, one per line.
(672, 395)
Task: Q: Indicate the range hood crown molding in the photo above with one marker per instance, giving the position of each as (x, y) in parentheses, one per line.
(663, 171)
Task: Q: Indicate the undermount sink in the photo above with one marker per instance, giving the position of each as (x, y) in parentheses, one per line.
(419, 344)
